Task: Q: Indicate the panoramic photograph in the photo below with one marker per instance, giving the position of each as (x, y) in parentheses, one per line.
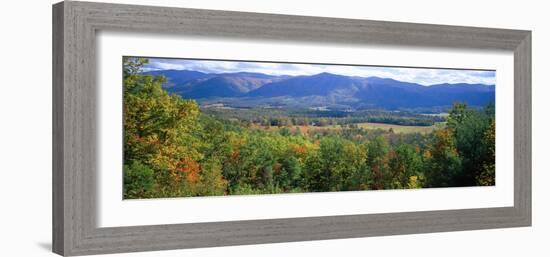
(200, 127)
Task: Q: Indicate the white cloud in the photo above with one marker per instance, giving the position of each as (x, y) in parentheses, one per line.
(423, 76)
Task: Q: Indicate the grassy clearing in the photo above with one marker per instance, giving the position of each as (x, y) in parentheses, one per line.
(367, 125)
(398, 128)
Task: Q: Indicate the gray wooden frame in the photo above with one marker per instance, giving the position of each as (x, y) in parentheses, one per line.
(74, 128)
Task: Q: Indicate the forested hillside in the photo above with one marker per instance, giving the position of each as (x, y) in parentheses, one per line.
(335, 91)
(175, 148)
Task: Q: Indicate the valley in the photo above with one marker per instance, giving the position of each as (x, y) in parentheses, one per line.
(223, 128)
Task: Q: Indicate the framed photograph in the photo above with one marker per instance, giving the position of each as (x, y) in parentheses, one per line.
(181, 128)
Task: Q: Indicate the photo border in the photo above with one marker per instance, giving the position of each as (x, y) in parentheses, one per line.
(74, 126)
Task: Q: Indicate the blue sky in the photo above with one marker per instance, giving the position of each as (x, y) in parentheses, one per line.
(421, 76)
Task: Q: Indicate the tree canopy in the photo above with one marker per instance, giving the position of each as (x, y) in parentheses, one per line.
(172, 148)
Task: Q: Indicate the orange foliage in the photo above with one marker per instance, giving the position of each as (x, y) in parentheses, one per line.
(299, 149)
(187, 168)
(191, 169)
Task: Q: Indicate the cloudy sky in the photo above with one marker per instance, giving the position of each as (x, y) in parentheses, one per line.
(416, 75)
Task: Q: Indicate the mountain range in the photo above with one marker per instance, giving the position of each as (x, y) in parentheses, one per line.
(248, 89)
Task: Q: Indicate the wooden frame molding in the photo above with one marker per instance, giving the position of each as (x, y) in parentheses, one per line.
(75, 25)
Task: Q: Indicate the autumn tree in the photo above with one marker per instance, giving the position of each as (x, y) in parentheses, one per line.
(442, 164)
(405, 165)
(377, 160)
(487, 175)
(160, 133)
(211, 181)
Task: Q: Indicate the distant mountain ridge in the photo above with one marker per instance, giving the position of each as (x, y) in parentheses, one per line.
(193, 84)
(323, 89)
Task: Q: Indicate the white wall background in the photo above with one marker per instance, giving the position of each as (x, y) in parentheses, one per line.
(25, 128)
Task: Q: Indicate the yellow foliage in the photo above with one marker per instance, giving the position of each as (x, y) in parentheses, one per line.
(413, 182)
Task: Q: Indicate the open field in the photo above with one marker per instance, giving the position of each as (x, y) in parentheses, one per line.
(398, 128)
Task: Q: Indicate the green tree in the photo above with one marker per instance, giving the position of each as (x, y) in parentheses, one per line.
(442, 164)
(377, 160)
(211, 181)
(469, 129)
(315, 177)
(458, 113)
(138, 180)
(288, 175)
(404, 163)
